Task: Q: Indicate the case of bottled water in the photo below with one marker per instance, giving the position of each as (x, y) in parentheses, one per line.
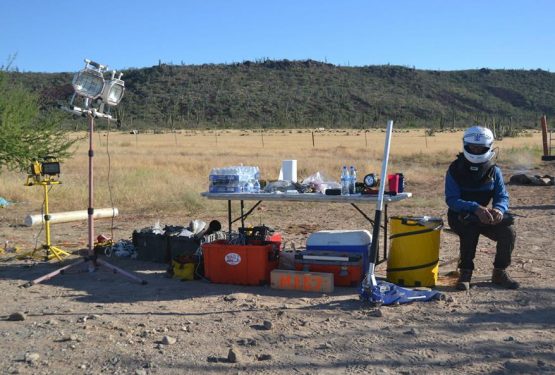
(235, 179)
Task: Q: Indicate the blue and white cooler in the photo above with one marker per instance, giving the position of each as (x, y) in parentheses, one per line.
(341, 241)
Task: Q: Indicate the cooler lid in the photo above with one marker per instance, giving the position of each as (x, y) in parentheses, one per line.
(339, 238)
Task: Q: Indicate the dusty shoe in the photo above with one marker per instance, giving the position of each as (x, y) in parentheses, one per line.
(463, 283)
(501, 277)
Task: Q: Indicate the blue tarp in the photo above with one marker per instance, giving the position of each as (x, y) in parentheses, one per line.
(390, 294)
(3, 202)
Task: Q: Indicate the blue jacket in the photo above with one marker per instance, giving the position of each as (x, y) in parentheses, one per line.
(457, 195)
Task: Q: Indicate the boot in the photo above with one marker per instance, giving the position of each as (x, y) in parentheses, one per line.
(463, 283)
(501, 277)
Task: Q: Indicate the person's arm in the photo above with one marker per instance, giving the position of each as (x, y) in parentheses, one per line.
(500, 195)
(453, 196)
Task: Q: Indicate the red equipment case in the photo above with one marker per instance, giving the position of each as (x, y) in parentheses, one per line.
(225, 263)
(347, 268)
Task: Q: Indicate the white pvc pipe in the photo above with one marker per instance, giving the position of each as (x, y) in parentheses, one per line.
(383, 176)
(370, 279)
(65, 217)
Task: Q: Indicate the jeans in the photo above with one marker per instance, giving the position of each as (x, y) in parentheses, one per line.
(469, 233)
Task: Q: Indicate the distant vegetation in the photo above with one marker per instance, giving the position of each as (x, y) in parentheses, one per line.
(308, 94)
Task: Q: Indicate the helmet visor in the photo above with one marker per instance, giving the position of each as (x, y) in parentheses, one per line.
(476, 149)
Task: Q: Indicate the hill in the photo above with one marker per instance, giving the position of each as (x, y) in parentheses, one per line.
(308, 93)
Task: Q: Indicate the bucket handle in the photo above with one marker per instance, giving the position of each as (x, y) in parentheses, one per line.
(427, 230)
(410, 221)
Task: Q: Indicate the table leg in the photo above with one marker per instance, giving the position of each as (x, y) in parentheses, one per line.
(243, 214)
(385, 224)
(229, 215)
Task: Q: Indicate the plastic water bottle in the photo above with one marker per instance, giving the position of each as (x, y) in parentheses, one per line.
(345, 180)
(256, 188)
(353, 180)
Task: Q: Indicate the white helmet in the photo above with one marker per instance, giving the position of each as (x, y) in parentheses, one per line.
(481, 137)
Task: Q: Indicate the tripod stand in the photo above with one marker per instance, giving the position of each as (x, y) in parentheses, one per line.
(51, 251)
(90, 258)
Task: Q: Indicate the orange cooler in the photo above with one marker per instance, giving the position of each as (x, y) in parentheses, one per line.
(239, 264)
(346, 267)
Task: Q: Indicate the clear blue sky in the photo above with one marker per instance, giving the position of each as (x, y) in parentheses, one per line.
(56, 35)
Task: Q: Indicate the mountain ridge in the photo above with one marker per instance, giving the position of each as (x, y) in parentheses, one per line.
(295, 94)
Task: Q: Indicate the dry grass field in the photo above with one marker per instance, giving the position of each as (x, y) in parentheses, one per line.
(101, 323)
(166, 172)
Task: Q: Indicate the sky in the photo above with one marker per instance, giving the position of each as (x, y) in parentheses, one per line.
(56, 35)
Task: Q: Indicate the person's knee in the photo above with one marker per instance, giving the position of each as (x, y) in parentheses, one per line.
(510, 232)
(506, 232)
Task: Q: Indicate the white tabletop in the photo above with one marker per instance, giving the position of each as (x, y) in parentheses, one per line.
(306, 197)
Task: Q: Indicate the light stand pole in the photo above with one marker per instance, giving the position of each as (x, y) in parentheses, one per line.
(111, 95)
(90, 208)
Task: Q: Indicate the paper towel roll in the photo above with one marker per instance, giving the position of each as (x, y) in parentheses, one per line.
(289, 170)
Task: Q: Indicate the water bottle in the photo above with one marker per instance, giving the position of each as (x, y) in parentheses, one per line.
(345, 181)
(256, 188)
(353, 180)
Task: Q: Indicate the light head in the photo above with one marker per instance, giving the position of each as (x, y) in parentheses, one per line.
(47, 169)
(113, 90)
(89, 82)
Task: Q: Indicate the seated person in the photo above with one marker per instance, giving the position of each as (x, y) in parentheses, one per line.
(471, 183)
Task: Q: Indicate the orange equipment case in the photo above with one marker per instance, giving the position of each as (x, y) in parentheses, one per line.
(225, 263)
(347, 268)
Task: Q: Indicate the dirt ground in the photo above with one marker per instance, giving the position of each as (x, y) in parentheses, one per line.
(95, 323)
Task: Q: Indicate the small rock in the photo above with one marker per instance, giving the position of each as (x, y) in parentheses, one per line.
(326, 345)
(185, 328)
(509, 338)
(411, 331)
(245, 342)
(540, 363)
(264, 357)
(17, 317)
(140, 371)
(230, 298)
(234, 356)
(31, 357)
(168, 340)
(52, 322)
(267, 325)
(378, 313)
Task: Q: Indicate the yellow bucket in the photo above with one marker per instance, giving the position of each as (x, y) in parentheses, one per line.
(414, 253)
(183, 271)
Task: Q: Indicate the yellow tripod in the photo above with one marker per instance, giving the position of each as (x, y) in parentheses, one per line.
(51, 251)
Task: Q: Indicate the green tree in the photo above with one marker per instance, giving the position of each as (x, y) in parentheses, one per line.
(26, 131)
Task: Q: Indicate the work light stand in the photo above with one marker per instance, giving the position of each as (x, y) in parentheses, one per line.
(90, 258)
(51, 251)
